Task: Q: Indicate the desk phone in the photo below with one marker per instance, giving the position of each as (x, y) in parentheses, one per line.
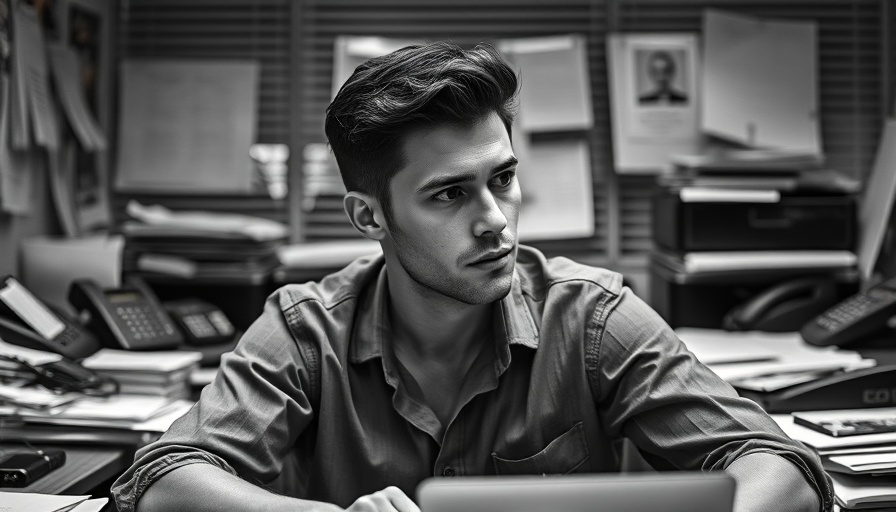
(859, 315)
(202, 322)
(129, 317)
(26, 321)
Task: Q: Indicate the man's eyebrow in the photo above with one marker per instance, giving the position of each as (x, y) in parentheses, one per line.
(445, 180)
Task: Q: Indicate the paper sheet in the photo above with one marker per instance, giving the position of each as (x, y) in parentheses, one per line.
(760, 81)
(350, 52)
(16, 173)
(556, 91)
(65, 65)
(187, 126)
(49, 265)
(35, 502)
(557, 194)
(31, 67)
(648, 129)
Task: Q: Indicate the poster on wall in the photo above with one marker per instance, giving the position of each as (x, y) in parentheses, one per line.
(655, 99)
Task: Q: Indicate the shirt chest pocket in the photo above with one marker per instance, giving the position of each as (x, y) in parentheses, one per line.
(561, 456)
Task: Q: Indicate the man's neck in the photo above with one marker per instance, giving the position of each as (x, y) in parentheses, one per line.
(430, 325)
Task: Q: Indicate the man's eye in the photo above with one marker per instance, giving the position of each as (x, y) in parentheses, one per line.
(449, 194)
(504, 179)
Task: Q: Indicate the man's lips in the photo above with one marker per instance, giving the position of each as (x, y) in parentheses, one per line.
(493, 256)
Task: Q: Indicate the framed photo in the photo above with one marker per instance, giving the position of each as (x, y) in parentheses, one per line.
(655, 97)
(83, 26)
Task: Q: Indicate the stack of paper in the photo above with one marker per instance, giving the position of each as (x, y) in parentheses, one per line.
(162, 373)
(742, 356)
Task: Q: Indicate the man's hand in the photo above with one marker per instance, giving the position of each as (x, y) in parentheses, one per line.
(390, 499)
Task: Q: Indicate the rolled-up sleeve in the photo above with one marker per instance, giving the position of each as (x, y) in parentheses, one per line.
(245, 422)
(679, 413)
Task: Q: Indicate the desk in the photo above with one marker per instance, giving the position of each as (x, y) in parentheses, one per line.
(85, 469)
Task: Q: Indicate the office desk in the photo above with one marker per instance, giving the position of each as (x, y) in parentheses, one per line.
(84, 470)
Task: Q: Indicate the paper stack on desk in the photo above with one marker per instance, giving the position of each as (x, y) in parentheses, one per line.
(861, 466)
(766, 361)
(162, 373)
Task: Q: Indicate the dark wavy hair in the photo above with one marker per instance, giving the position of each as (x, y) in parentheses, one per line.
(419, 85)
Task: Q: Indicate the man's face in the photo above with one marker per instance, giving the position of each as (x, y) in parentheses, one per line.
(661, 69)
(455, 206)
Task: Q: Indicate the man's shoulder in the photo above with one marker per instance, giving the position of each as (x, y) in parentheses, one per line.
(334, 289)
(538, 273)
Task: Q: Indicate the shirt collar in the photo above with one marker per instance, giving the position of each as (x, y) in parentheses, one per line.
(513, 322)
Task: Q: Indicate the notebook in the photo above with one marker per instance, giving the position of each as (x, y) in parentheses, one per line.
(635, 492)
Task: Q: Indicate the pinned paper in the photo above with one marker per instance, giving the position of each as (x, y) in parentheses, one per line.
(31, 75)
(760, 81)
(64, 62)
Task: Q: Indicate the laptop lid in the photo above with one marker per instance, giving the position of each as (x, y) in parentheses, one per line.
(634, 492)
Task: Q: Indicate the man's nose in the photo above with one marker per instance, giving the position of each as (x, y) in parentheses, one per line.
(489, 217)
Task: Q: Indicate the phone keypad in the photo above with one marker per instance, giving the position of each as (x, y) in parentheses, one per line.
(856, 307)
(142, 321)
(199, 325)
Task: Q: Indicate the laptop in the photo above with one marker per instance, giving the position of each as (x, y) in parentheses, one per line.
(683, 491)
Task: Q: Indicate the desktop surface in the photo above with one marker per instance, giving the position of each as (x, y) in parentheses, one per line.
(667, 491)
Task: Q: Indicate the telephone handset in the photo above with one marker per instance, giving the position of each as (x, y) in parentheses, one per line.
(785, 306)
(26, 321)
(857, 316)
(129, 317)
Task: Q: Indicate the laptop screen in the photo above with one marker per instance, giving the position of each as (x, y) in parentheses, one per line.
(635, 492)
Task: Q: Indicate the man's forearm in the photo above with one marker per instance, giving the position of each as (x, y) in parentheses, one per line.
(204, 487)
(766, 481)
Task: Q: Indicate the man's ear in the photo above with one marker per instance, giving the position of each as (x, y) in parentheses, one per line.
(366, 214)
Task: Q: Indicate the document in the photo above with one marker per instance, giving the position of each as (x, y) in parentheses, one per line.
(557, 193)
(876, 206)
(713, 261)
(735, 356)
(35, 502)
(65, 65)
(16, 166)
(655, 99)
(557, 91)
(187, 126)
(760, 81)
(33, 79)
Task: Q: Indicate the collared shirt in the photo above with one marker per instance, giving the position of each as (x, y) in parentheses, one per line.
(578, 363)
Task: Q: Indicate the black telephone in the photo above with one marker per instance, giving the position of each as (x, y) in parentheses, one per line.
(784, 307)
(129, 317)
(26, 321)
(859, 315)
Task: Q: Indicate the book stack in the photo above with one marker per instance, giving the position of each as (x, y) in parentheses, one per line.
(858, 450)
(159, 373)
(194, 244)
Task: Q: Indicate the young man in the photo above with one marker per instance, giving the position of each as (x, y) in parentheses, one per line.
(456, 352)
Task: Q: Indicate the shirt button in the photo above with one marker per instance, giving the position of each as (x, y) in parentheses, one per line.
(448, 471)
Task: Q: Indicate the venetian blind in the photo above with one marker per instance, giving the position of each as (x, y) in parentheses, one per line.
(257, 30)
(294, 41)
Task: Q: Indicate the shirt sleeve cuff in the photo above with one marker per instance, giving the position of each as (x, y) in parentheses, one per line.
(824, 488)
(128, 493)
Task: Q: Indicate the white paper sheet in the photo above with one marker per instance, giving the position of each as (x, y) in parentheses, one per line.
(557, 195)
(647, 132)
(65, 65)
(35, 502)
(16, 173)
(760, 81)
(556, 90)
(31, 62)
(187, 126)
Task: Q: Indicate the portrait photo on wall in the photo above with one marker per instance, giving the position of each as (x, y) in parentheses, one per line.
(655, 99)
(661, 76)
